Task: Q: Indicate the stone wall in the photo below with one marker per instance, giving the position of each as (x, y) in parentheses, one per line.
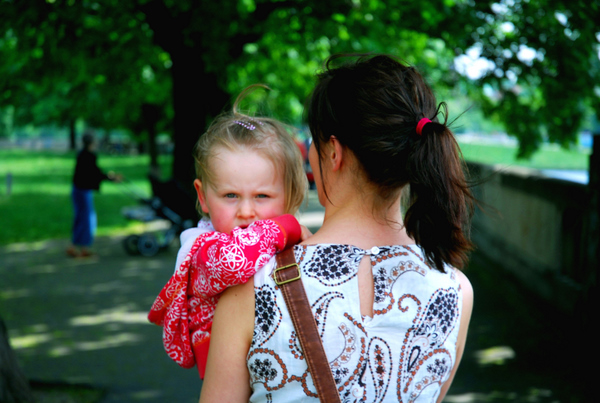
(535, 228)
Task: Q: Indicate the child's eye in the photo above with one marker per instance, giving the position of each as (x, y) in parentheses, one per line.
(230, 196)
(262, 196)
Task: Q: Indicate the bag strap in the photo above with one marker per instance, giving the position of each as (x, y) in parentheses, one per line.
(285, 276)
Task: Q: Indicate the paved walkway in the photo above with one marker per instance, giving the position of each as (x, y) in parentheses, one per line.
(84, 321)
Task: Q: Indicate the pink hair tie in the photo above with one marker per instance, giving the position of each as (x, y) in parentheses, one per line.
(422, 124)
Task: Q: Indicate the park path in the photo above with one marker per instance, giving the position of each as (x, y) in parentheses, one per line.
(84, 321)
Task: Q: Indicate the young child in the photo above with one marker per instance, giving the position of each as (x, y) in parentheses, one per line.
(250, 179)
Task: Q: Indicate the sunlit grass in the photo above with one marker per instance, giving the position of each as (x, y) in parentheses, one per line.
(29, 340)
(39, 205)
(549, 157)
(497, 355)
(113, 316)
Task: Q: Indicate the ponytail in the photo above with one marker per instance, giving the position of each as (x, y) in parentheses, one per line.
(440, 200)
(385, 113)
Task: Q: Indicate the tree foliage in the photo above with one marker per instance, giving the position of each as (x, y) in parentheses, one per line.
(103, 61)
(544, 67)
(69, 60)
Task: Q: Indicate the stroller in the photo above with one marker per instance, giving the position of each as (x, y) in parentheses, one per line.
(171, 202)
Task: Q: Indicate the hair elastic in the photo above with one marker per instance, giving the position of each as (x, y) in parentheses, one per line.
(421, 125)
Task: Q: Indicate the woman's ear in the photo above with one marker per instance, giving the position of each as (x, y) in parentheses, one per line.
(201, 196)
(335, 153)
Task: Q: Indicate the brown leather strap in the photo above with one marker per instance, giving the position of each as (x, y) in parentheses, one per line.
(286, 276)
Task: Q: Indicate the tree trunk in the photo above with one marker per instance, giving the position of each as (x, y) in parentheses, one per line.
(14, 386)
(150, 113)
(586, 311)
(196, 99)
(197, 96)
(72, 135)
(593, 241)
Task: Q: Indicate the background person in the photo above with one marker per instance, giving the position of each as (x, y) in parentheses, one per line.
(86, 178)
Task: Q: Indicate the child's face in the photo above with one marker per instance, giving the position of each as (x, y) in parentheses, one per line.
(246, 187)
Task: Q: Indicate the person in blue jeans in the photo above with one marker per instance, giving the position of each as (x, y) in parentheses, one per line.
(87, 178)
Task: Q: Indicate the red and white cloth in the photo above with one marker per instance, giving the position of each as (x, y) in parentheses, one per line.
(216, 261)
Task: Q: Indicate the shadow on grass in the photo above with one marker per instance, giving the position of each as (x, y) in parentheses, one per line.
(84, 322)
(61, 392)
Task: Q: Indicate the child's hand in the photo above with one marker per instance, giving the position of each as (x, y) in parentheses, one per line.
(305, 233)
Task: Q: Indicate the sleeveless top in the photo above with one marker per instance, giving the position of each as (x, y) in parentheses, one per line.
(403, 354)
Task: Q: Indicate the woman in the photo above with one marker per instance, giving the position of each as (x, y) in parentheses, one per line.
(391, 308)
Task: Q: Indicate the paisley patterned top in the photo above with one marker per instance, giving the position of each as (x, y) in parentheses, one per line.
(403, 354)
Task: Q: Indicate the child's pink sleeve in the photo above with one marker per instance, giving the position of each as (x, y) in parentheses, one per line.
(216, 261)
(225, 260)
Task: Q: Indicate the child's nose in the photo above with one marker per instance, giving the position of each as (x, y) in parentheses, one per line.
(246, 209)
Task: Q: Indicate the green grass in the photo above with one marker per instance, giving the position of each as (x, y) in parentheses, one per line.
(549, 157)
(39, 206)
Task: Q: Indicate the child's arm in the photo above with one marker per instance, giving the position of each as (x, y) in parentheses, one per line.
(213, 257)
(188, 238)
(224, 260)
(177, 285)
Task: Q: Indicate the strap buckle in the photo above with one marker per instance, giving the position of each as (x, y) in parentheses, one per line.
(281, 282)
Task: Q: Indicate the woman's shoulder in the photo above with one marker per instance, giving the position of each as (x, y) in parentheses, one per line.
(465, 286)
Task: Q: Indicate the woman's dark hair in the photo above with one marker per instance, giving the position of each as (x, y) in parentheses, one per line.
(372, 106)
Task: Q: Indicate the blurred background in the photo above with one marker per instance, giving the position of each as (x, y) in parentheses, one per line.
(521, 79)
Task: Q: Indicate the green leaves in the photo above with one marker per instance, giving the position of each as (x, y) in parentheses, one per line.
(102, 60)
(546, 66)
(87, 60)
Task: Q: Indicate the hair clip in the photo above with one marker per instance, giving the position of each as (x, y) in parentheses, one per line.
(247, 125)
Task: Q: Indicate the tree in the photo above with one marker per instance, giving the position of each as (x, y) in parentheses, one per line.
(543, 66)
(68, 60)
(94, 50)
(14, 386)
(103, 60)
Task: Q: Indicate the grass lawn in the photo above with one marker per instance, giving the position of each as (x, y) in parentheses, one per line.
(549, 157)
(39, 206)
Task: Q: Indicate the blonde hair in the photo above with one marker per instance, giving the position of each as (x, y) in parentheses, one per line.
(269, 137)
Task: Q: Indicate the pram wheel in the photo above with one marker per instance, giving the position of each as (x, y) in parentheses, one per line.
(131, 245)
(148, 245)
